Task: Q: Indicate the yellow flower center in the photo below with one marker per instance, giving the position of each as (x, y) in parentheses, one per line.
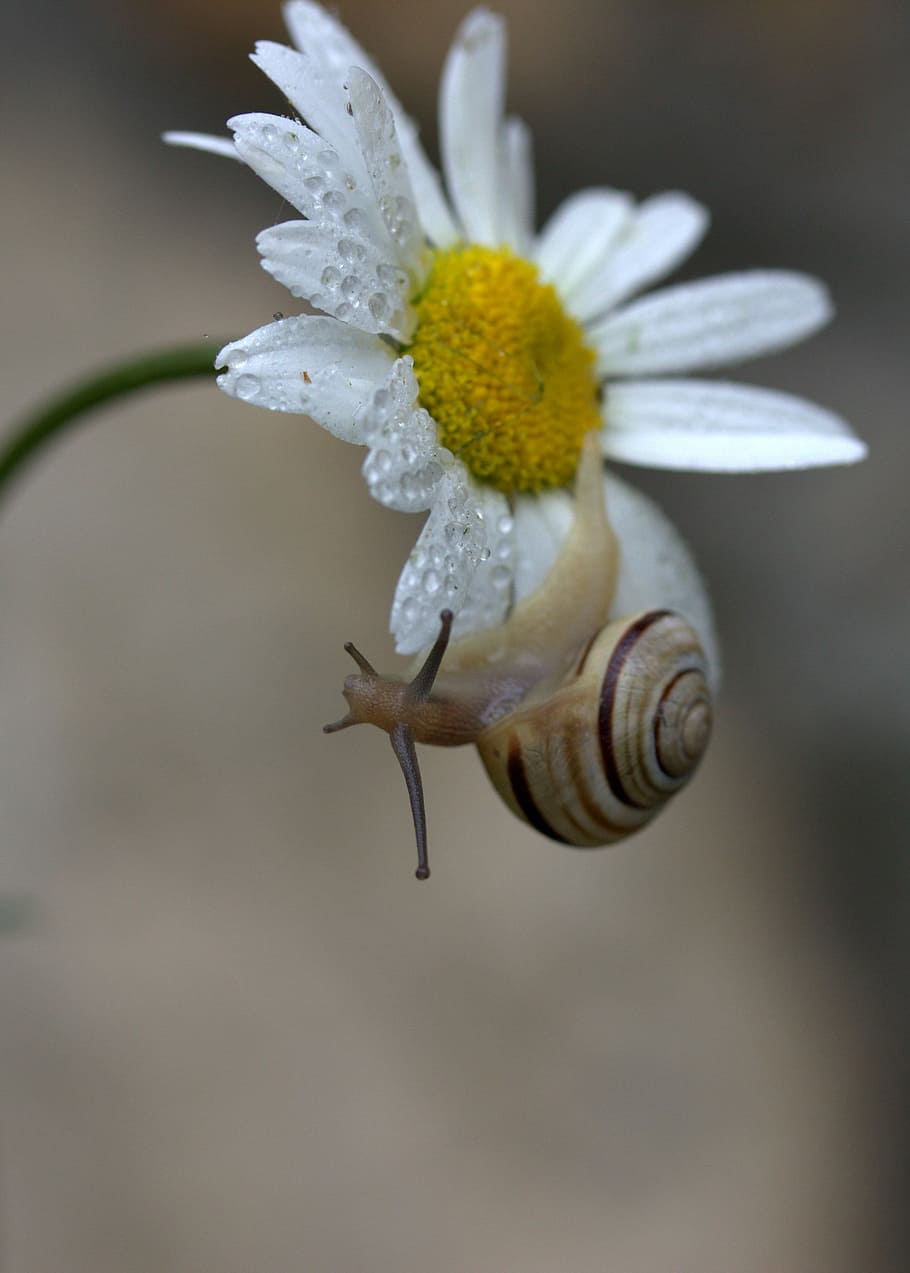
(503, 370)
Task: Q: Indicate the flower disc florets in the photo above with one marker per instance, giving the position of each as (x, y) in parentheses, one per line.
(502, 368)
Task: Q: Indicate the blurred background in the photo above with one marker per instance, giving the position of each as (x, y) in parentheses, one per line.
(234, 1033)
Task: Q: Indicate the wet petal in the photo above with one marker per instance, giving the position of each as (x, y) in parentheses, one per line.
(718, 427)
(308, 364)
(386, 167)
(317, 33)
(403, 467)
(317, 91)
(342, 274)
(706, 324)
(491, 589)
(441, 567)
(303, 169)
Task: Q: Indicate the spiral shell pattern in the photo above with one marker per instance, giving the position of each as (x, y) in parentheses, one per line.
(596, 758)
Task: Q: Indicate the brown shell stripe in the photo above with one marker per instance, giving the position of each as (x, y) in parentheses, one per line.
(658, 717)
(587, 799)
(607, 695)
(515, 767)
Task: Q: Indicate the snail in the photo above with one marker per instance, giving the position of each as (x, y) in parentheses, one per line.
(585, 726)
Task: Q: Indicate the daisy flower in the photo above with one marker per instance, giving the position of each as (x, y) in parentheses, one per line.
(471, 356)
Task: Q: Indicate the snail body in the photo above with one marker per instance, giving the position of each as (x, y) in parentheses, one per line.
(585, 727)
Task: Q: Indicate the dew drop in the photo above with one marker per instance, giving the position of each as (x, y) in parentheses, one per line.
(378, 306)
(348, 250)
(485, 554)
(504, 524)
(410, 610)
(431, 582)
(247, 387)
(330, 276)
(331, 166)
(501, 577)
(391, 276)
(350, 286)
(355, 219)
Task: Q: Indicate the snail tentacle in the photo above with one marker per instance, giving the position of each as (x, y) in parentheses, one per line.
(396, 707)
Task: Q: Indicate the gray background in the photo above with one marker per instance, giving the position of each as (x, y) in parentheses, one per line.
(234, 1033)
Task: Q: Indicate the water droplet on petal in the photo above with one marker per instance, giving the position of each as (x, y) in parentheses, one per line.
(247, 387)
(378, 306)
(355, 220)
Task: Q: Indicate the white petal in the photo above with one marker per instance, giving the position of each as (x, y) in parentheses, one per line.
(579, 236)
(316, 89)
(541, 524)
(316, 32)
(308, 364)
(403, 467)
(517, 190)
(387, 170)
(471, 96)
(435, 214)
(491, 590)
(202, 141)
(711, 322)
(718, 427)
(662, 232)
(441, 567)
(305, 170)
(344, 276)
(656, 569)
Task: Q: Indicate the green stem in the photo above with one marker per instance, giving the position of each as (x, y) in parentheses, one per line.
(44, 426)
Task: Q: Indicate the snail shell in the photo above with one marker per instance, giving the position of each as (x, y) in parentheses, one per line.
(597, 757)
(583, 736)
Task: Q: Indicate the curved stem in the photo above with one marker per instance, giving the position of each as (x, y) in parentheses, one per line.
(59, 415)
